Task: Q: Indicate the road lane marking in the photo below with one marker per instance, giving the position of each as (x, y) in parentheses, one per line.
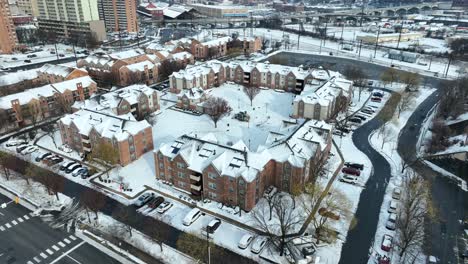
(44, 256)
(55, 248)
(26, 217)
(72, 237)
(37, 259)
(14, 222)
(2, 228)
(67, 241)
(7, 225)
(20, 219)
(68, 252)
(1, 214)
(30, 262)
(50, 252)
(74, 259)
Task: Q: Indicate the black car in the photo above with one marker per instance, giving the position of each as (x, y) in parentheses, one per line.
(213, 225)
(154, 203)
(363, 118)
(27, 61)
(43, 156)
(344, 129)
(378, 94)
(354, 165)
(309, 250)
(56, 159)
(367, 111)
(21, 148)
(66, 165)
(73, 167)
(355, 120)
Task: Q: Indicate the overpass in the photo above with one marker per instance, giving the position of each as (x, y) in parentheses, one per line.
(387, 12)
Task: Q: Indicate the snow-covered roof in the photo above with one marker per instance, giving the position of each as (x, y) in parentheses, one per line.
(109, 102)
(108, 126)
(175, 10)
(122, 55)
(44, 91)
(181, 55)
(53, 69)
(196, 71)
(17, 77)
(323, 93)
(140, 66)
(296, 144)
(98, 60)
(192, 94)
(217, 42)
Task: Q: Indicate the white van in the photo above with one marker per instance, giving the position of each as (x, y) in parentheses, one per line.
(192, 216)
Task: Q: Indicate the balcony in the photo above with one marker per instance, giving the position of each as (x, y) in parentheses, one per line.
(195, 187)
(195, 178)
(85, 140)
(87, 149)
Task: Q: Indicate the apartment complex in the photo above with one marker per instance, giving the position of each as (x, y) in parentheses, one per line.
(8, 38)
(47, 74)
(71, 18)
(214, 73)
(119, 15)
(36, 104)
(191, 99)
(322, 100)
(210, 49)
(232, 174)
(138, 100)
(86, 128)
(122, 68)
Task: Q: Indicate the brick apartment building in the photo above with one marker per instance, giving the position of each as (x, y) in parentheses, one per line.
(232, 174)
(86, 128)
(210, 49)
(47, 74)
(8, 38)
(138, 100)
(214, 73)
(36, 104)
(191, 99)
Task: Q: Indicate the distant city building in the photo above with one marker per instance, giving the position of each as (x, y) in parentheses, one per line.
(78, 18)
(29, 7)
(460, 3)
(403, 56)
(8, 40)
(288, 7)
(221, 11)
(118, 15)
(389, 38)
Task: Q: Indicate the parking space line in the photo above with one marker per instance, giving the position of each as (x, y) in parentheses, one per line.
(20, 219)
(61, 244)
(26, 217)
(50, 252)
(31, 214)
(72, 237)
(37, 259)
(2, 228)
(67, 241)
(29, 262)
(55, 248)
(14, 222)
(44, 256)
(7, 225)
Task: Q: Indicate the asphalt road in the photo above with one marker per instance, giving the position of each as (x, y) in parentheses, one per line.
(26, 239)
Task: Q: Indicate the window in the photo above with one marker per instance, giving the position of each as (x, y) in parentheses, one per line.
(130, 139)
(212, 185)
(133, 156)
(160, 156)
(231, 189)
(181, 184)
(241, 182)
(212, 195)
(161, 165)
(181, 174)
(180, 165)
(212, 176)
(161, 174)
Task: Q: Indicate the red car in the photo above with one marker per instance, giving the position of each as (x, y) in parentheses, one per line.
(352, 171)
(386, 243)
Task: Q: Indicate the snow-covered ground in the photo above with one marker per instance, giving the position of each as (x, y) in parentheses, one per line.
(390, 153)
(312, 45)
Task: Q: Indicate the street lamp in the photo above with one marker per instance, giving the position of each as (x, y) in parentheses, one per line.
(376, 42)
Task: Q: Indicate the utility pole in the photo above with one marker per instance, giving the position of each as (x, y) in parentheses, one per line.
(376, 43)
(298, 38)
(448, 64)
(399, 37)
(430, 63)
(360, 46)
(341, 38)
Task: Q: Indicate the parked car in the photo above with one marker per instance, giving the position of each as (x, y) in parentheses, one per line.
(55, 159)
(21, 148)
(27, 61)
(396, 193)
(213, 225)
(366, 111)
(354, 165)
(84, 173)
(391, 221)
(43, 156)
(154, 203)
(143, 199)
(370, 83)
(61, 55)
(258, 244)
(378, 94)
(192, 216)
(348, 179)
(386, 243)
(309, 250)
(363, 118)
(29, 150)
(14, 59)
(66, 165)
(355, 120)
(163, 207)
(15, 142)
(72, 168)
(393, 206)
(245, 241)
(32, 56)
(352, 171)
(376, 99)
(76, 172)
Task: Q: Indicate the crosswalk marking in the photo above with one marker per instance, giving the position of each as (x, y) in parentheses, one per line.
(55, 248)
(31, 214)
(44, 256)
(26, 217)
(50, 252)
(61, 244)
(37, 259)
(7, 225)
(67, 241)
(72, 237)
(14, 222)
(2, 228)
(30, 262)
(20, 219)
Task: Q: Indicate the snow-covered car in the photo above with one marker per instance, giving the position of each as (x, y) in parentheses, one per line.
(348, 179)
(258, 244)
(162, 208)
(391, 221)
(245, 241)
(309, 250)
(67, 164)
(29, 150)
(15, 142)
(72, 168)
(143, 199)
(21, 148)
(396, 193)
(386, 243)
(192, 216)
(393, 206)
(213, 225)
(42, 156)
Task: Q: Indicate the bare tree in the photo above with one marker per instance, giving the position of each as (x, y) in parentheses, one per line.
(411, 80)
(157, 232)
(415, 207)
(53, 183)
(358, 76)
(407, 158)
(453, 99)
(93, 201)
(406, 101)
(389, 76)
(105, 152)
(127, 216)
(4, 162)
(216, 108)
(385, 132)
(251, 91)
(4, 120)
(284, 223)
(198, 248)
(33, 113)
